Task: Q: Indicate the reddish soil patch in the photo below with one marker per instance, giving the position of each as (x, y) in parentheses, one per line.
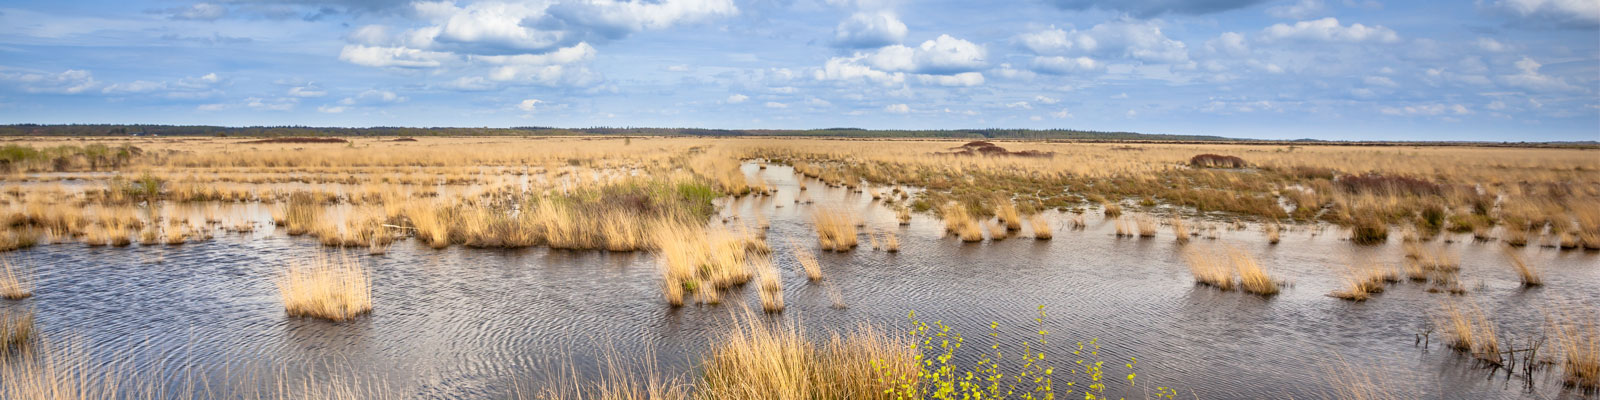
(301, 140)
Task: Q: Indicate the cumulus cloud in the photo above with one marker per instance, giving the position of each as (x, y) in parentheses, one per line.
(529, 105)
(737, 98)
(278, 104)
(1582, 14)
(309, 90)
(897, 109)
(869, 29)
(775, 105)
(402, 57)
(961, 79)
(1150, 8)
(373, 96)
(518, 42)
(1329, 30)
(945, 60)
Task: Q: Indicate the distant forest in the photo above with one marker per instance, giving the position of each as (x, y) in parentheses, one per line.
(300, 131)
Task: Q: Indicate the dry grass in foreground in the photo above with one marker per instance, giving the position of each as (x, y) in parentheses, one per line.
(1579, 343)
(15, 283)
(1470, 331)
(1529, 275)
(761, 361)
(331, 288)
(836, 230)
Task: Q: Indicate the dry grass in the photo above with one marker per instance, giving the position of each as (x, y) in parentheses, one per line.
(836, 230)
(700, 261)
(1041, 227)
(16, 282)
(1006, 211)
(1273, 233)
(758, 360)
(1147, 226)
(1180, 231)
(808, 262)
(958, 221)
(1217, 268)
(1361, 282)
(333, 288)
(1208, 268)
(16, 334)
(1469, 330)
(1112, 210)
(891, 243)
(997, 230)
(1579, 343)
(1529, 275)
(771, 291)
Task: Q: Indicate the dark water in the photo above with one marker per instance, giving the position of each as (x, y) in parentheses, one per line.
(473, 323)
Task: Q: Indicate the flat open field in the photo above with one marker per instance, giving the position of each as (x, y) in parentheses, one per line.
(737, 268)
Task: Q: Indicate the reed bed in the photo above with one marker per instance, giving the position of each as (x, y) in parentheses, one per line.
(701, 261)
(334, 288)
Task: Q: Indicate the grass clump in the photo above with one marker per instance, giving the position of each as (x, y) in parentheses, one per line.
(1580, 353)
(1214, 268)
(16, 283)
(16, 331)
(1360, 283)
(1528, 275)
(332, 288)
(1041, 227)
(1469, 331)
(836, 230)
(959, 221)
(700, 261)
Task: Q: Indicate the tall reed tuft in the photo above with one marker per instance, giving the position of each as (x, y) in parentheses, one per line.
(836, 230)
(1041, 227)
(1529, 275)
(334, 288)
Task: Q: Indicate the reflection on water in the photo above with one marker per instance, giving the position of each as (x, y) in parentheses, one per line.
(460, 322)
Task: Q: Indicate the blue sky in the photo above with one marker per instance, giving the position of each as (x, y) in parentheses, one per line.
(1329, 69)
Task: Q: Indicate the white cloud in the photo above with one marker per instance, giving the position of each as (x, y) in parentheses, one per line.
(1491, 45)
(1131, 39)
(529, 105)
(737, 98)
(279, 104)
(134, 87)
(72, 81)
(1569, 13)
(560, 67)
(211, 107)
(1427, 110)
(1061, 65)
(942, 55)
(310, 90)
(1329, 30)
(853, 69)
(403, 57)
(373, 96)
(1062, 114)
(961, 79)
(816, 102)
(1021, 104)
(897, 108)
(330, 109)
(1230, 43)
(777, 105)
(1528, 77)
(1299, 10)
(202, 12)
(1046, 100)
(874, 29)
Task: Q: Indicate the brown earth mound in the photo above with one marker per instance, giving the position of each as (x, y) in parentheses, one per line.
(979, 147)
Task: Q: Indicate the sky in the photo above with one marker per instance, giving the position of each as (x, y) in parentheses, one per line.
(1498, 70)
